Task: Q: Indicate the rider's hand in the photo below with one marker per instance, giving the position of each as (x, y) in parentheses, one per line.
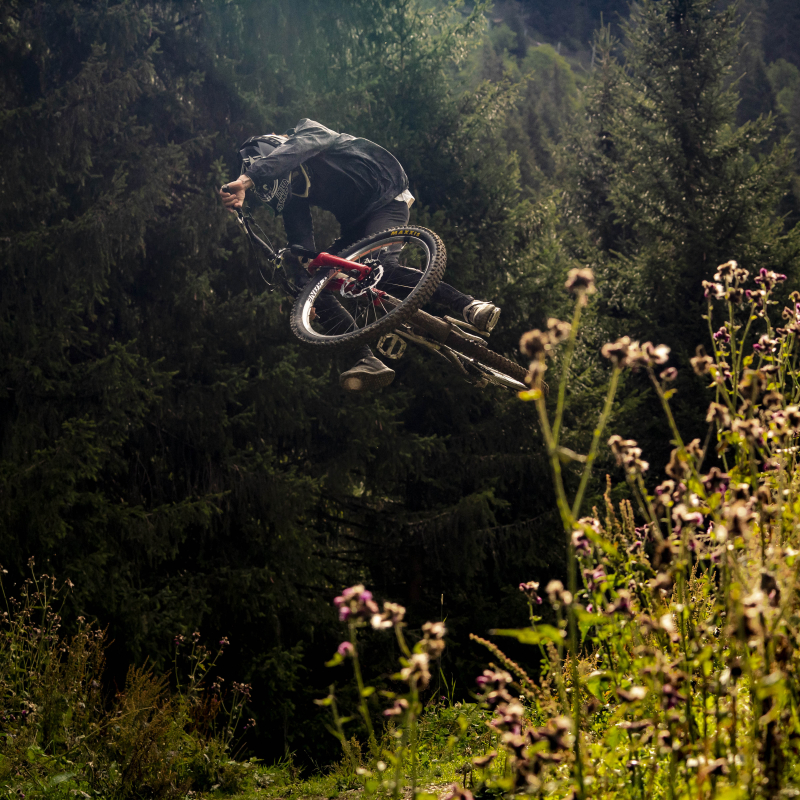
(234, 197)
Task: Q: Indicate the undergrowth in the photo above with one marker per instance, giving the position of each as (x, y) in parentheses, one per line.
(63, 734)
(672, 669)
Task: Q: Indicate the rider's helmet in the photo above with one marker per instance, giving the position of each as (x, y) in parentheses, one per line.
(277, 193)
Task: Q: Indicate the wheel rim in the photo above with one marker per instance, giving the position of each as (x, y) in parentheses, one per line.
(402, 261)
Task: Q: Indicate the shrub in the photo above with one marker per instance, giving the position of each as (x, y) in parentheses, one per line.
(60, 733)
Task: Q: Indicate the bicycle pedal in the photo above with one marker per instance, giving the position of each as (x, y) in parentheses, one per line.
(391, 346)
(465, 326)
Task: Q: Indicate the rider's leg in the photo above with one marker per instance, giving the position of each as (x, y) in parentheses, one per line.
(368, 372)
(395, 214)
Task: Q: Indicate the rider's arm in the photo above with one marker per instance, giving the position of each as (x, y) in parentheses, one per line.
(234, 197)
(308, 139)
(297, 221)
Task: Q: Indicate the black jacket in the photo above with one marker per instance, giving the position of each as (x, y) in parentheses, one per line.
(350, 177)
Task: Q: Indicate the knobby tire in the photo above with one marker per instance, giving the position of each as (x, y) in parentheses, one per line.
(430, 278)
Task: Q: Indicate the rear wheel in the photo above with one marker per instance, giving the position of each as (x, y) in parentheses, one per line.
(407, 265)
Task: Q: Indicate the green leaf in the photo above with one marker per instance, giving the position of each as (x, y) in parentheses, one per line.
(367, 691)
(537, 635)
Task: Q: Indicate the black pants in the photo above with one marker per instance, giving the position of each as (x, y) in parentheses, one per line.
(392, 215)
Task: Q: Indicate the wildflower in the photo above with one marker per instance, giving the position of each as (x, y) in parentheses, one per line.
(670, 697)
(669, 374)
(392, 615)
(715, 481)
(398, 709)
(493, 684)
(752, 383)
(658, 354)
(417, 670)
(750, 429)
(715, 290)
(765, 345)
(682, 515)
(736, 296)
(558, 331)
(580, 542)
(356, 603)
(701, 362)
(481, 762)
(627, 455)
(594, 578)
(536, 371)
(758, 297)
(224, 641)
(767, 278)
(622, 605)
(617, 352)
(632, 694)
(557, 594)
(457, 793)
(772, 400)
(345, 649)
(433, 641)
(580, 281)
(719, 414)
(533, 343)
(531, 591)
(677, 467)
(725, 271)
(722, 336)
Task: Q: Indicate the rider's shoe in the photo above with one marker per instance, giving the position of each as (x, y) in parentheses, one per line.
(366, 375)
(482, 315)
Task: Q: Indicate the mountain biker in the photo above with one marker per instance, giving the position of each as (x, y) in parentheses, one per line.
(365, 188)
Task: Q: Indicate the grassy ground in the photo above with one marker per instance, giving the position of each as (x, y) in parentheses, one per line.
(450, 736)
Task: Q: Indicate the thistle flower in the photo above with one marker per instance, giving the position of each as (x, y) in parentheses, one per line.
(457, 793)
(720, 414)
(722, 336)
(557, 330)
(580, 542)
(580, 282)
(398, 709)
(617, 352)
(677, 467)
(533, 343)
(627, 454)
(768, 279)
(714, 290)
(345, 649)
(701, 362)
(392, 615)
(557, 594)
(715, 481)
(356, 603)
(531, 591)
(417, 670)
(433, 641)
(725, 271)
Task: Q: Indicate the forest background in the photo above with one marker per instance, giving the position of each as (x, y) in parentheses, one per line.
(167, 445)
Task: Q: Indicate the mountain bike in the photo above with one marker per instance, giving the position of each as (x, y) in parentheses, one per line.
(380, 284)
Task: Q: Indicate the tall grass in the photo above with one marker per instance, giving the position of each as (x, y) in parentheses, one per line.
(64, 733)
(671, 670)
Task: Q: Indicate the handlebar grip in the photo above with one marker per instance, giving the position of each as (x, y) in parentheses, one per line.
(297, 250)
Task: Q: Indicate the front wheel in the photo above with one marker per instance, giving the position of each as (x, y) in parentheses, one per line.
(407, 265)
